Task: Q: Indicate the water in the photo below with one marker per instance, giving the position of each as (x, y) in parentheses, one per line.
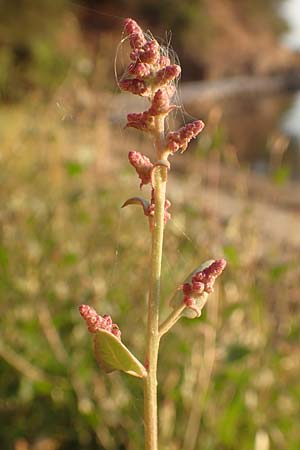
(290, 120)
(265, 133)
(268, 133)
(290, 11)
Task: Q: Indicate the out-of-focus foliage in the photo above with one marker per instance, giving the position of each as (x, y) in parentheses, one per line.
(29, 54)
(226, 380)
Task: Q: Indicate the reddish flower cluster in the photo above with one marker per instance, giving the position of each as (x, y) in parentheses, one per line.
(95, 322)
(161, 103)
(180, 139)
(149, 53)
(141, 121)
(142, 165)
(152, 75)
(145, 121)
(150, 69)
(167, 74)
(139, 69)
(135, 86)
(202, 282)
(137, 39)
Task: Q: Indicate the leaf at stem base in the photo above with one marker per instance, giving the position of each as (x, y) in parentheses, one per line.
(112, 354)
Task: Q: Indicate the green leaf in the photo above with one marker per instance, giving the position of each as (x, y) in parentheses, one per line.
(281, 175)
(237, 352)
(3, 257)
(231, 254)
(70, 258)
(278, 271)
(111, 354)
(73, 168)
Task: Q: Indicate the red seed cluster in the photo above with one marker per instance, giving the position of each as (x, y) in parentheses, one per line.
(150, 69)
(142, 165)
(136, 35)
(167, 74)
(135, 86)
(203, 281)
(180, 139)
(95, 322)
(141, 121)
(139, 69)
(145, 121)
(149, 53)
(161, 103)
(151, 74)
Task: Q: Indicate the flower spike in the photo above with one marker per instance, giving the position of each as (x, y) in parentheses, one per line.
(95, 322)
(179, 140)
(135, 86)
(142, 165)
(141, 121)
(195, 293)
(136, 35)
(153, 75)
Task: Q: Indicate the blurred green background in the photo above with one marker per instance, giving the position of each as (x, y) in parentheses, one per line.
(227, 381)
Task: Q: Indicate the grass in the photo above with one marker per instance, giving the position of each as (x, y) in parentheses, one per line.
(232, 375)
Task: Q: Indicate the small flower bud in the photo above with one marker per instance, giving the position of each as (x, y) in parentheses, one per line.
(134, 55)
(138, 69)
(180, 139)
(142, 165)
(135, 86)
(106, 322)
(141, 121)
(164, 61)
(161, 103)
(195, 293)
(186, 289)
(137, 38)
(95, 322)
(116, 330)
(208, 276)
(150, 52)
(167, 74)
(131, 26)
(216, 268)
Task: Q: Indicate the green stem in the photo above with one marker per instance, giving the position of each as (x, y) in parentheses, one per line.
(150, 382)
(168, 323)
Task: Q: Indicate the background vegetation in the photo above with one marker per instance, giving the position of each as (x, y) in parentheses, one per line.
(229, 380)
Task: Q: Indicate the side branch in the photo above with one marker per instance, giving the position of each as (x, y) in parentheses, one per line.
(170, 321)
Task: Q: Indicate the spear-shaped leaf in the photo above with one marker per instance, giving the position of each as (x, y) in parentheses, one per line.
(137, 201)
(112, 354)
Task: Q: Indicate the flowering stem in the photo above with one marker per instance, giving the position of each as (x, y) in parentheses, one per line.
(151, 75)
(150, 382)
